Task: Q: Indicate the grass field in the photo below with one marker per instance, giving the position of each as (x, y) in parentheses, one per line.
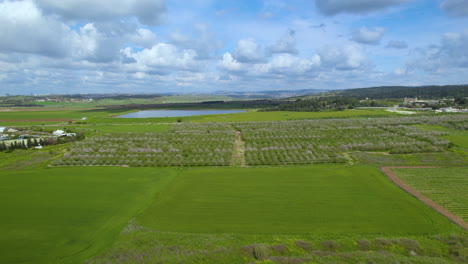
(289, 200)
(66, 215)
(105, 116)
(284, 115)
(445, 186)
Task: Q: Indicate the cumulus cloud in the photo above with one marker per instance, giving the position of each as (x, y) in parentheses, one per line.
(455, 8)
(367, 36)
(333, 7)
(228, 63)
(397, 44)
(162, 58)
(279, 64)
(286, 44)
(144, 38)
(249, 51)
(23, 28)
(451, 53)
(348, 57)
(93, 45)
(149, 12)
(290, 64)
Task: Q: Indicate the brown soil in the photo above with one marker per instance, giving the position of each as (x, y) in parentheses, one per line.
(387, 170)
(238, 154)
(35, 120)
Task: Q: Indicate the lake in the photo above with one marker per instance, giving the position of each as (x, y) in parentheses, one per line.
(177, 113)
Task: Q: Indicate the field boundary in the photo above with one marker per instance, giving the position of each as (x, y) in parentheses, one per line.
(387, 170)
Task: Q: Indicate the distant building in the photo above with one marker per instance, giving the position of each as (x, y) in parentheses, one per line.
(449, 110)
(58, 133)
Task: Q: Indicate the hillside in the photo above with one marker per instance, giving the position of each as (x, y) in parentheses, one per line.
(385, 92)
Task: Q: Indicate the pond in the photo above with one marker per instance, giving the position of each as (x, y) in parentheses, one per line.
(177, 113)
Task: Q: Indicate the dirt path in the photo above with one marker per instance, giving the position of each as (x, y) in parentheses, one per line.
(238, 155)
(387, 170)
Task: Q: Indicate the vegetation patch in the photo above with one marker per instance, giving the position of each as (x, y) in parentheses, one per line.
(446, 186)
(66, 215)
(318, 199)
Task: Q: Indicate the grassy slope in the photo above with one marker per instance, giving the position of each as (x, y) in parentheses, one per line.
(290, 200)
(65, 215)
(446, 186)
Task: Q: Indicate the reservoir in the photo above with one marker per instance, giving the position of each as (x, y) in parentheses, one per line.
(177, 113)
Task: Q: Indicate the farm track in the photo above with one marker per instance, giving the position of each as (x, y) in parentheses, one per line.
(387, 170)
(238, 154)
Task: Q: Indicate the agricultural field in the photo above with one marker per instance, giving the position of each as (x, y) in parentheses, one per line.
(67, 215)
(183, 145)
(263, 143)
(296, 200)
(446, 186)
(275, 187)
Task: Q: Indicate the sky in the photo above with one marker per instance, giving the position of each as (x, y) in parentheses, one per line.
(203, 46)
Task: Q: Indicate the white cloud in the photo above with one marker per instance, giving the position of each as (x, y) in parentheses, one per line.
(455, 8)
(348, 57)
(228, 63)
(163, 58)
(287, 63)
(286, 44)
(144, 38)
(333, 7)
(149, 12)
(451, 53)
(23, 28)
(93, 45)
(247, 50)
(364, 35)
(283, 63)
(397, 44)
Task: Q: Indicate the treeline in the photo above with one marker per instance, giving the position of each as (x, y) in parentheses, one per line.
(329, 104)
(399, 92)
(17, 101)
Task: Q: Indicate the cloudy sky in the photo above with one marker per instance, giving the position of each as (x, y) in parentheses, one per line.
(104, 46)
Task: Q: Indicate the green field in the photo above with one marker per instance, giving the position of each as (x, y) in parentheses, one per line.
(327, 213)
(66, 215)
(445, 186)
(294, 200)
(285, 115)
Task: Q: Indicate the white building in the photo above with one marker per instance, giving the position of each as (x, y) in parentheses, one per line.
(58, 133)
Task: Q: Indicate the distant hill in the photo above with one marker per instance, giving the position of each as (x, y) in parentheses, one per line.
(387, 92)
(270, 94)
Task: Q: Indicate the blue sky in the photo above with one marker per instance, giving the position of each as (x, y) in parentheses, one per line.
(158, 46)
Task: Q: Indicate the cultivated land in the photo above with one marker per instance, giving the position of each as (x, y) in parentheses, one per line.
(66, 215)
(445, 186)
(296, 200)
(312, 192)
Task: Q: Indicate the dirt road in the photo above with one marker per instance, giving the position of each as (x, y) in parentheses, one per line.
(387, 170)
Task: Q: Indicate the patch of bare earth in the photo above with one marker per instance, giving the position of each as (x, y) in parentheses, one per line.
(238, 154)
(387, 170)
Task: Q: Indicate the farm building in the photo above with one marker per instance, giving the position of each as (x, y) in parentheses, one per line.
(61, 133)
